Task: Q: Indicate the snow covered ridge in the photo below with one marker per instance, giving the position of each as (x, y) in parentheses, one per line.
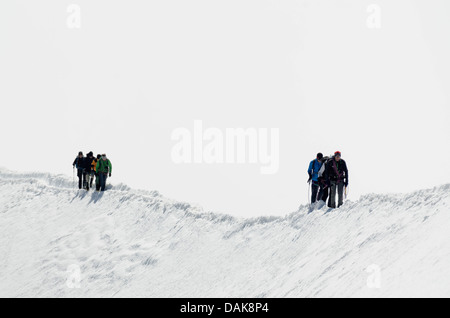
(60, 242)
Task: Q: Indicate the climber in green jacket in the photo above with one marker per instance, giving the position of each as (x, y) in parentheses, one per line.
(104, 169)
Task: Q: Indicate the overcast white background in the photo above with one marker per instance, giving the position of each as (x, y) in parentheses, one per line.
(137, 70)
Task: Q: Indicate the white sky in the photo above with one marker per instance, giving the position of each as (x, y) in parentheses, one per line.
(137, 70)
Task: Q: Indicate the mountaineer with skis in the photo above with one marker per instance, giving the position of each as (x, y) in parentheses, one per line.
(103, 169)
(336, 174)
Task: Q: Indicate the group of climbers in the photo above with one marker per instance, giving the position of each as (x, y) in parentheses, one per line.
(328, 176)
(89, 167)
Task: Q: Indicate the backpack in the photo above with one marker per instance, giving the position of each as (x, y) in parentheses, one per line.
(79, 162)
(324, 164)
(94, 164)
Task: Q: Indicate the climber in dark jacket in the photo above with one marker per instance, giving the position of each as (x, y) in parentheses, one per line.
(89, 169)
(80, 164)
(336, 174)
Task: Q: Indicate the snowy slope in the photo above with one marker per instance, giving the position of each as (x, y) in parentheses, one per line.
(127, 242)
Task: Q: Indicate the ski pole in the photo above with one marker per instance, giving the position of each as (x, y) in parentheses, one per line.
(309, 188)
(345, 193)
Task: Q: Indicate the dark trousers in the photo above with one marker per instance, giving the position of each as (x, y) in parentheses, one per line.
(102, 180)
(91, 178)
(81, 178)
(336, 186)
(324, 190)
(317, 191)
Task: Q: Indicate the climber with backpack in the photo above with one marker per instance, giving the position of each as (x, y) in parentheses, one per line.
(323, 187)
(79, 164)
(336, 174)
(89, 170)
(94, 169)
(104, 169)
(313, 171)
